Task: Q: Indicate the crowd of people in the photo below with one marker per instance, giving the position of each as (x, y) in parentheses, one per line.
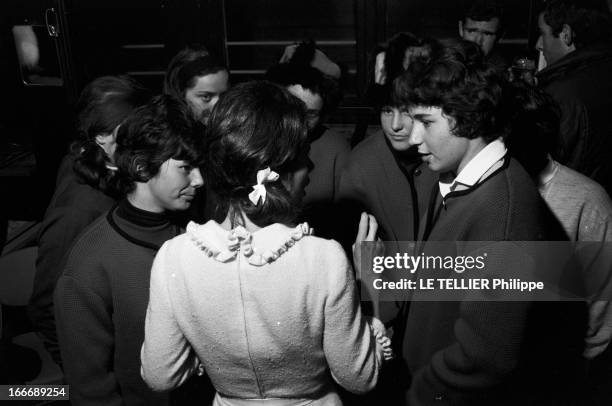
(203, 245)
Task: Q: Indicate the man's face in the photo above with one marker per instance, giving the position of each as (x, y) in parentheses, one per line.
(483, 33)
(552, 47)
(439, 147)
(313, 102)
(203, 96)
(174, 186)
(396, 124)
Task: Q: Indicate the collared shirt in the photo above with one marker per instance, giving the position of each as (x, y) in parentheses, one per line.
(484, 163)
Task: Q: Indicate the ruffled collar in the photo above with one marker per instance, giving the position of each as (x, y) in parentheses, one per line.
(259, 248)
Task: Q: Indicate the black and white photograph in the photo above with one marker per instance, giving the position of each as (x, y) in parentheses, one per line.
(306, 202)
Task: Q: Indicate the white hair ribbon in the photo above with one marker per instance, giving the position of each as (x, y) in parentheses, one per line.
(259, 190)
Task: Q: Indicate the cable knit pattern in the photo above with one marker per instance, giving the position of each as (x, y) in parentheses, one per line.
(281, 329)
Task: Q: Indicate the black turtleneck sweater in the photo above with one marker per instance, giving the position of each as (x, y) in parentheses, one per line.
(100, 306)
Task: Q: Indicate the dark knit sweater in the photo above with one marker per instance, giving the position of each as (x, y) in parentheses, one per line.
(73, 207)
(479, 352)
(391, 186)
(328, 153)
(100, 306)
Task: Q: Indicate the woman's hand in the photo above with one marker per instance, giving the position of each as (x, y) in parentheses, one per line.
(382, 339)
(368, 228)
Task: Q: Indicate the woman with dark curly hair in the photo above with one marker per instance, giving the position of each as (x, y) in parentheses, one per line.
(482, 350)
(86, 188)
(101, 297)
(269, 310)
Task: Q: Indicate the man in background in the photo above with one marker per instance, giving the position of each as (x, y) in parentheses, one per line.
(575, 41)
(482, 24)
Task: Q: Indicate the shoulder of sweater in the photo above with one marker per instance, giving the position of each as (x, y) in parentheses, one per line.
(323, 251)
(518, 178)
(77, 210)
(177, 243)
(508, 188)
(575, 180)
(325, 260)
(327, 245)
(334, 140)
(92, 244)
(371, 143)
(82, 197)
(570, 183)
(515, 184)
(372, 152)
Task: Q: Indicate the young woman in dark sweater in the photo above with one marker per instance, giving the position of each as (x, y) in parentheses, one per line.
(86, 188)
(102, 295)
(489, 351)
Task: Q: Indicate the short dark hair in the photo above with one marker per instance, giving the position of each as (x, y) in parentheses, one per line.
(255, 125)
(288, 74)
(103, 104)
(456, 79)
(395, 51)
(589, 19)
(186, 67)
(160, 130)
(534, 118)
(485, 10)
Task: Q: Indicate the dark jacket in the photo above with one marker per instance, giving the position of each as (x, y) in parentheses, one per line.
(489, 352)
(328, 153)
(73, 207)
(391, 186)
(581, 83)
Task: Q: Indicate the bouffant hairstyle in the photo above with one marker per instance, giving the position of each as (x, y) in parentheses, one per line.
(103, 105)
(254, 126)
(160, 130)
(456, 79)
(186, 67)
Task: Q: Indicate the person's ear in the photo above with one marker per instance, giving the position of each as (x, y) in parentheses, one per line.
(461, 28)
(141, 173)
(106, 142)
(567, 35)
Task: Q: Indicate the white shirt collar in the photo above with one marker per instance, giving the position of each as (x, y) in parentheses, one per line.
(478, 166)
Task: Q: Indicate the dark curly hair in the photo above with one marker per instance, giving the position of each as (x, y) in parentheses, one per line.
(456, 79)
(103, 104)
(254, 126)
(152, 134)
